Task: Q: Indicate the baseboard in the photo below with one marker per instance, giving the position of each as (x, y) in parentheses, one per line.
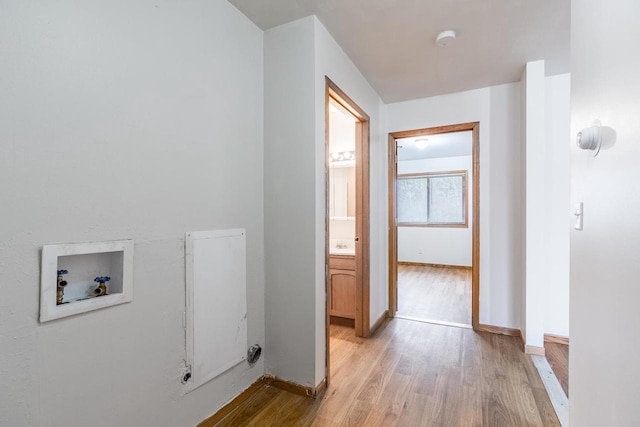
(534, 350)
(517, 333)
(232, 404)
(426, 264)
(342, 321)
(500, 330)
(557, 339)
(289, 386)
(320, 388)
(379, 322)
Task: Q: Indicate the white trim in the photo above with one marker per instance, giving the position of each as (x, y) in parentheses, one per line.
(434, 322)
(556, 394)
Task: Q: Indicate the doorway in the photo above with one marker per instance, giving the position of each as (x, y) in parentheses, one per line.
(434, 214)
(347, 215)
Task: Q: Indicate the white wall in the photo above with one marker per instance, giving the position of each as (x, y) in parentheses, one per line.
(342, 132)
(537, 220)
(497, 109)
(503, 194)
(557, 203)
(289, 190)
(123, 120)
(438, 245)
(605, 261)
(522, 211)
(298, 55)
(331, 61)
(342, 231)
(545, 289)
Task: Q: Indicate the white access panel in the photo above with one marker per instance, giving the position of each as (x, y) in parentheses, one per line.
(216, 312)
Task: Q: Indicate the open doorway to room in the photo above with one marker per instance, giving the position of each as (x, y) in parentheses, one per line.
(347, 224)
(434, 238)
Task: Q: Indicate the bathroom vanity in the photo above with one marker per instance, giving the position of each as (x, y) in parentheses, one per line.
(342, 223)
(342, 279)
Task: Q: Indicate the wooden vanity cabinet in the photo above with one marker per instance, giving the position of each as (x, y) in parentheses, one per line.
(342, 279)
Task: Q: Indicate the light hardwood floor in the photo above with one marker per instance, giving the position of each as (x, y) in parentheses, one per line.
(413, 374)
(558, 358)
(434, 293)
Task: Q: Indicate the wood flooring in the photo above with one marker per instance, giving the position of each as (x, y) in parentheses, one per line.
(413, 374)
(558, 358)
(434, 293)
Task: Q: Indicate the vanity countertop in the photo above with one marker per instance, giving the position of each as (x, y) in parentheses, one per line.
(342, 251)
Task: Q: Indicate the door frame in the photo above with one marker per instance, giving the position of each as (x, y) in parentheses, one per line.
(474, 127)
(362, 318)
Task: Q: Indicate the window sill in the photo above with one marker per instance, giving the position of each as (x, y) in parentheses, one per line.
(410, 224)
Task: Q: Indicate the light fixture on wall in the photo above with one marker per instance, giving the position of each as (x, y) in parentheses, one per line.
(343, 156)
(591, 138)
(421, 143)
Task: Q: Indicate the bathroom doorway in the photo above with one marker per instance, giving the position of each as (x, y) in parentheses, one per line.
(434, 225)
(347, 218)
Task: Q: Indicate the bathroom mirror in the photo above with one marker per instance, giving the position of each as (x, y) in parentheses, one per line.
(342, 197)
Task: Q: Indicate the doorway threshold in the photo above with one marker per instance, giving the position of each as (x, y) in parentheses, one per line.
(434, 322)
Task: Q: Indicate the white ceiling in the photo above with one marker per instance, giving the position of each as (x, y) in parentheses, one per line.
(438, 145)
(392, 42)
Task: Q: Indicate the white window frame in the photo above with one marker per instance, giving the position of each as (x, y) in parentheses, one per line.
(428, 175)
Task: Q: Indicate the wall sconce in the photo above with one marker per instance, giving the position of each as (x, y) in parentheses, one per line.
(597, 138)
(591, 138)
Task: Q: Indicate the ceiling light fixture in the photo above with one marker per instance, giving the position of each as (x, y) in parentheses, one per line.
(445, 37)
(421, 143)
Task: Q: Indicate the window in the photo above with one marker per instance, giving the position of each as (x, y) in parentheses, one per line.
(433, 199)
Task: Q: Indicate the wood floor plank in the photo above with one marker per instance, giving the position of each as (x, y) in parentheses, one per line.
(357, 414)
(251, 408)
(547, 413)
(435, 292)
(413, 374)
(394, 397)
(283, 410)
(558, 357)
(413, 410)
